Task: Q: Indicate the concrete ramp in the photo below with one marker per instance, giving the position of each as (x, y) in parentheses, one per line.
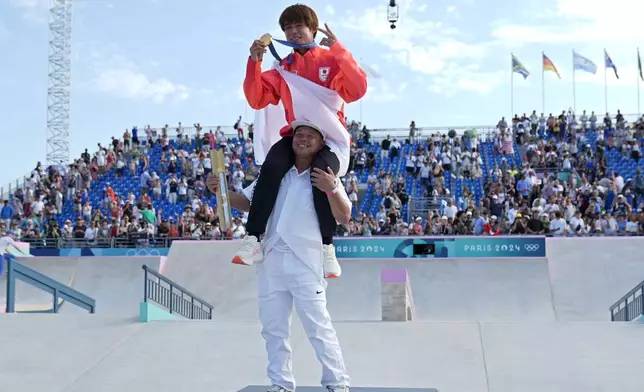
(116, 283)
(589, 274)
(204, 268)
(456, 289)
(31, 299)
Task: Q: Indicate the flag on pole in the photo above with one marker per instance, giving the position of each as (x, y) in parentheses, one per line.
(518, 67)
(370, 71)
(608, 63)
(549, 66)
(639, 63)
(583, 63)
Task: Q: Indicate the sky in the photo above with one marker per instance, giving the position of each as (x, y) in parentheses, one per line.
(138, 62)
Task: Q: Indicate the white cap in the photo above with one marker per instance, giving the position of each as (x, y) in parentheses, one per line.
(304, 123)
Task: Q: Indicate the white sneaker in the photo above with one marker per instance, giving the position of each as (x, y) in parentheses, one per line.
(277, 388)
(337, 389)
(331, 266)
(250, 251)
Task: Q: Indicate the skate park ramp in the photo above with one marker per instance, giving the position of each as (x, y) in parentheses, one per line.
(578, 281)
(482, 325)
(116, 283)
(589, 274)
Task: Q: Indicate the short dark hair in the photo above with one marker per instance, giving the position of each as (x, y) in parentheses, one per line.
(300, 13)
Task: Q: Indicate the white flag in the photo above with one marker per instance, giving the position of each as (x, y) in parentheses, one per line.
(370, 71)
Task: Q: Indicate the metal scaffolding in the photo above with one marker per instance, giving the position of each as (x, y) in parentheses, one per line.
(59, 84)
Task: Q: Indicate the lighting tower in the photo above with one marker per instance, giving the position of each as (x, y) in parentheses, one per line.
(59, 83)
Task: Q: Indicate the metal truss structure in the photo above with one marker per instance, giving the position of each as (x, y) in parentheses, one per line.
(59, 83)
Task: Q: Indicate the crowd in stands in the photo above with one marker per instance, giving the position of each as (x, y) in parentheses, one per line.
(563, 175)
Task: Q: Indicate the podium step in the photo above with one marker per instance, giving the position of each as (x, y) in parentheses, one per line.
(264, 388)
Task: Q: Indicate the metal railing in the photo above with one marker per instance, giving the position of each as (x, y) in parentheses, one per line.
(59, 291)
(417, 207)
(129, 242)
(421, 206)
(630, 306)
(173, 297)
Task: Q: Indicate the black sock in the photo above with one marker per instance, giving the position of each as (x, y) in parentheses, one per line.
(327, 240)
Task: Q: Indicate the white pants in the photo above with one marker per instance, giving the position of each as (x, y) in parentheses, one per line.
(284, 279)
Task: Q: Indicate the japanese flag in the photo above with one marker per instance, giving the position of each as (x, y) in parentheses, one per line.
(311, 102)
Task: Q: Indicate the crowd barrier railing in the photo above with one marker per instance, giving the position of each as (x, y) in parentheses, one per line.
(166, 242)
(59, 291)
(630, 306)
(173, 297)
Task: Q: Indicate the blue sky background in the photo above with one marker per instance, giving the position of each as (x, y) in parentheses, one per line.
(447, 64)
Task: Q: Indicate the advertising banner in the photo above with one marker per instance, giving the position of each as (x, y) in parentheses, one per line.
(439, 247)
(373, 248)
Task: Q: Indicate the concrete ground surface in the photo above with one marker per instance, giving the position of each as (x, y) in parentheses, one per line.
(79, 353)
(498, 325)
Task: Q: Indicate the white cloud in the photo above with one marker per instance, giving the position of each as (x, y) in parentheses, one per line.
(626, 74)
(577, 21)
(34, 10)
(421, 46)
(135, 85)
(119, 76)
(451, 9)
(383, 92)
(4, 32)
(430, 48)
(466, 78)
(329, 10)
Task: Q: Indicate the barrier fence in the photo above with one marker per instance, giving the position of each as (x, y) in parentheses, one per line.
(59, 291)
(173, 297)
(630, 306)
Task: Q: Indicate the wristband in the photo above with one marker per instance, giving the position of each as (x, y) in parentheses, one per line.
(335, 189)
(333, 192)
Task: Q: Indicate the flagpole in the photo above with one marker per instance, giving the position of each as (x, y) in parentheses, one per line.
(638, 83)
(605, 85)
(361, 123)
(543, 86)
(511, 90)
(574, 92)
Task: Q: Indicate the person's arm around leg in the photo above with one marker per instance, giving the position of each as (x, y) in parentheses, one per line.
(328, 183)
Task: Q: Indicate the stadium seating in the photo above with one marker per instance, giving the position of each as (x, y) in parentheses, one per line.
(370, 201)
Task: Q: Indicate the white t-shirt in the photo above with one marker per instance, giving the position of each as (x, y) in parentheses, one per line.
(450, 211)
(5, 242)
(558, 226)
(294, 222)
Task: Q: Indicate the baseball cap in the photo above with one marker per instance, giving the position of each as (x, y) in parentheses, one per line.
(304, 123)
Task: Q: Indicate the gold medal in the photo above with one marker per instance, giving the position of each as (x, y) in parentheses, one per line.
(266, 39)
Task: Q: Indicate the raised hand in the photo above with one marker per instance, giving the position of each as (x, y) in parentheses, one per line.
(329, 38)
(212, 183)
(257, 50)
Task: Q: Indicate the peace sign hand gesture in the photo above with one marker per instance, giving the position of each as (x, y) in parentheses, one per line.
(330, 38)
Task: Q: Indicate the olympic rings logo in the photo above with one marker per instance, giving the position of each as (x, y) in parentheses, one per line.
(531, 247)
(142, 252)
